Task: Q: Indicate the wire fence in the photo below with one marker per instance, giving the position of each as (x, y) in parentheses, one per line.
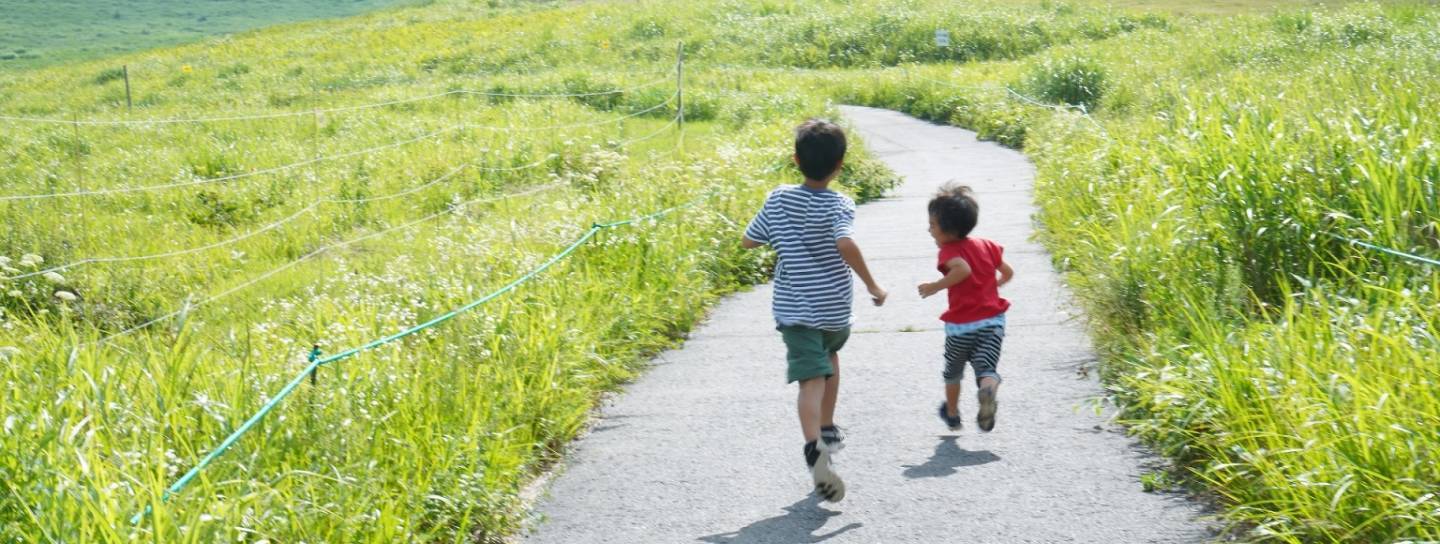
(189, 307)
(349, 154)
(311, 208)
(1388, 251)
(316, 361)
(321, 111)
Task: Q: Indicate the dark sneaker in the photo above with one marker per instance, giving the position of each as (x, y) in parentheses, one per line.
(986, 417)
(832, 438)
(828, 484)
(953, 423)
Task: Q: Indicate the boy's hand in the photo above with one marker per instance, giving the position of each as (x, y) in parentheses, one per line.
(927, 289)
(877, 295)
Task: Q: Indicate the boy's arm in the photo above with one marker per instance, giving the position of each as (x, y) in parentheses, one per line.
(958, 271)
(1005, 274)
(757, 233)
(850, 252)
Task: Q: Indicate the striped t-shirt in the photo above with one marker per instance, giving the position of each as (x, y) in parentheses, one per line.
(813, 287)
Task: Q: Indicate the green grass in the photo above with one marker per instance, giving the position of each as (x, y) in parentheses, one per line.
(1219, 7)
(34, 34)
(1287, 372)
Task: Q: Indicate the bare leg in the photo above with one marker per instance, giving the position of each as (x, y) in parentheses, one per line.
(832, 392)
(952, 399)
(808, 405)
(990, 382)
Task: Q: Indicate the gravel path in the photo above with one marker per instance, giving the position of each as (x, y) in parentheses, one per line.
(705, 446)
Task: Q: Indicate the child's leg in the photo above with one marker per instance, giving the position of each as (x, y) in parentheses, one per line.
(832, 393)
(957, 352)
(986, 355)
(952, 399)
(809, 406)
(809, 365)
(985, 359)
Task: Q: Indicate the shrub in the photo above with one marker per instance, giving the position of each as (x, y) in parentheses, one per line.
(1072, 80)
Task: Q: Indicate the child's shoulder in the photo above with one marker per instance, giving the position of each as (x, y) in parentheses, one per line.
(983, 242)
(798, 191)
(971, 244)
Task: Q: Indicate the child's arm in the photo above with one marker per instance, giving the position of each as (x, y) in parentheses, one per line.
(958, 271)
(757, 233)
(1005, 274)
(850, 252)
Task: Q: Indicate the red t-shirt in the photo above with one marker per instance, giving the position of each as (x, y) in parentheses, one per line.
(977, 297)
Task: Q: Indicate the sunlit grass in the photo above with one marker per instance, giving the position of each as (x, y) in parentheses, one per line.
(1193, 212)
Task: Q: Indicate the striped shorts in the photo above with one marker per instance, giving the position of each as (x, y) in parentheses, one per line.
(978, 346)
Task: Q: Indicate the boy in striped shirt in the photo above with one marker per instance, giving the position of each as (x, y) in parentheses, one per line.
(810, 228)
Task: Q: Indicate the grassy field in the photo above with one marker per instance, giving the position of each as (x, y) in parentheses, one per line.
(1195, 211)
(1220, 7)
(54, 32)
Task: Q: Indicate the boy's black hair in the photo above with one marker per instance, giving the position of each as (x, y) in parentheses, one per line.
(955, 210)
(819, 147)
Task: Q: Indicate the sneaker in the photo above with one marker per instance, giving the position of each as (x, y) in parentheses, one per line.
(828, 484)
(832, 439)
(986, 417)
(953, 423)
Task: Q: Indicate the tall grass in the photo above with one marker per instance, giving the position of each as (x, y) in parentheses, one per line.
(1204, 228)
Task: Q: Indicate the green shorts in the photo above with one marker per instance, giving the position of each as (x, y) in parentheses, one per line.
(808, 351)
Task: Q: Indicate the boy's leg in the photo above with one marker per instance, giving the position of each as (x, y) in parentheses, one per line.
(809, 364)
(952, 400)
(958, 348)
(832, 393)
(829, 433)
(985, 359)
(809, 404)
(828, 485)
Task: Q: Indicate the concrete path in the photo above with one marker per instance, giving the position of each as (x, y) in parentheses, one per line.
(706, 448)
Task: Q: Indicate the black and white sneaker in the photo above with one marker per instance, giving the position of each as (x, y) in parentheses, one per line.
(985, 418)
(953, 423)
(832, 438)
(828, 484)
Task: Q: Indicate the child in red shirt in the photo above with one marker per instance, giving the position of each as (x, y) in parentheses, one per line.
(975, 320)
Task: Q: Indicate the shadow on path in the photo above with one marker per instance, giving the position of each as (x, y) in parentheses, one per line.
(799, 524)
(948, 456)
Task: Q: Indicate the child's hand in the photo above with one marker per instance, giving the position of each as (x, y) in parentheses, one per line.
(877, 295)
(927, 289)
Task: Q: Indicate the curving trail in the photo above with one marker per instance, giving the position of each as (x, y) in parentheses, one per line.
(705, 446)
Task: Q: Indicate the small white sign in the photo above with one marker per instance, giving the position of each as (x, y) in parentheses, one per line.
(942, 38)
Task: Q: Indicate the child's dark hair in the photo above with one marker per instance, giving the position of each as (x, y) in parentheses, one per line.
(819, 148)
(955, 210)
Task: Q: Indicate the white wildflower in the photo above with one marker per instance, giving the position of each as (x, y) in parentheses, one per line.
(8, 352)
(4, 261)
(10, 269)
(15, 293)
(31, 259)
(65, 296)
(54, 277)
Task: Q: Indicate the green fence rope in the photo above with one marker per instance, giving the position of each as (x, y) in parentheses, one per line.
(1383, 249)
(315, 362)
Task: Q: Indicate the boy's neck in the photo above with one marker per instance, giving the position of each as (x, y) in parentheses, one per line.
(817, 184)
